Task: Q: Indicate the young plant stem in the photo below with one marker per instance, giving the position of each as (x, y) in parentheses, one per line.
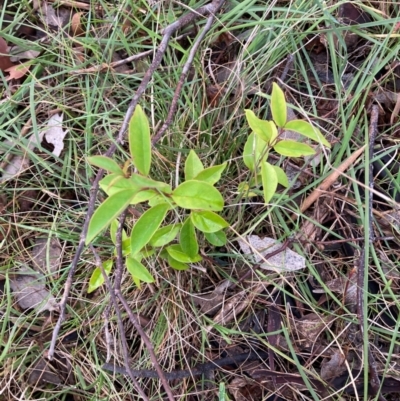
(211, 8)
(134, 320)
(120, 323)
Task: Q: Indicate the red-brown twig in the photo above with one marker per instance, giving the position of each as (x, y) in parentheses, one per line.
(182, 79)
(120, 323)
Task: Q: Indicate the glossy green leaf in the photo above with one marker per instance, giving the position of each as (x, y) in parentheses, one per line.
(254, 149)
(193, 166)
(187, 239)
(97, 279)
(147, 183)
(245, 190)
(269, 181)
(293, 149)
(217, 239)
(278, 105)
(306, 129)
(176, 264)
(211, 174)
(147, 224)
(113, 183)
(165, 235)
(265, 130)
(109, 210)
(208, 222)
(176, 252)
(139, 271)
(281, 176)
(194, 194)
(106, 163)
(160, 198)
(139, 141)
(143, 196)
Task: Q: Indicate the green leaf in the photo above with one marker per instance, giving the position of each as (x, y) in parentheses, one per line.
(97, 278)
(146, 226)
(211, 174)
(293, 149)
(139, 141)
(194, 194)
(208, 222)
(165, 235)
(176, 264)
(113, 183)
(147, 183)
(187, 238)
(193, 166)
(265, 130)
(217, 239)
(281, 176)
(176, 252)
(106, 164)
(138, 271)
(160, 198)
(143, 196)
(306, 129)
(269, 181)
(254, 148)
(109, 210)
(278, 105)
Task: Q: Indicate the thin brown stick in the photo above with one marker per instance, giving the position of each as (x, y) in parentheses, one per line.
(182, 80)
(120, 324)
(314, 195)
(213, 7)
(134, 320)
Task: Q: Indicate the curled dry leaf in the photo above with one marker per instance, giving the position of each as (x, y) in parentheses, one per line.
(310, 326)
(30, 291)
(211, 303)
(5, 61)
(258, 248)
(46, 255)
(334, 367)
(76, 24)
(54, 134)
(17, 71)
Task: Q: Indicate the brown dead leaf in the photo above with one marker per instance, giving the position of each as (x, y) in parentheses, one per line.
(47, 255)
(310, 326)
(334, 367)
(57, 371)
(17, 71)
(5, 61)
(30, 291)
(76, 25)
(211, 303)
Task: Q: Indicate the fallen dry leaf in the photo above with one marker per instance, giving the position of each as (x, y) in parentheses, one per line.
(19, 54)
(258, 248)
(30, 291)
(17, 71)
(5, 61)
(55, 134)
(334, 367)
(76, 24)
(47, 255)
